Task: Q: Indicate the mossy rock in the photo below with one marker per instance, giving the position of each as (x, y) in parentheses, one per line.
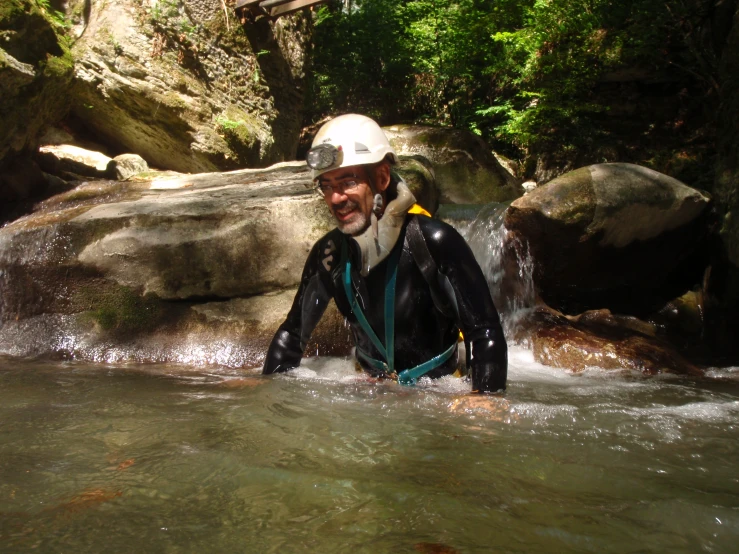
(465, 168)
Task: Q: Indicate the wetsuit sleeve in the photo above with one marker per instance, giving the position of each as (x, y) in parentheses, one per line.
(478, 318)
(289, 342)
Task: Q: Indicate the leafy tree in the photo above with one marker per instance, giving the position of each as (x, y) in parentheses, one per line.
(530, 76)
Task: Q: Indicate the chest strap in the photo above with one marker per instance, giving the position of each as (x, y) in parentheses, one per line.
(387, 366)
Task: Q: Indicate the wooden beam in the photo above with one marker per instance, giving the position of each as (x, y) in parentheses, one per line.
(292, 6)
(266, 4)
(246, 3)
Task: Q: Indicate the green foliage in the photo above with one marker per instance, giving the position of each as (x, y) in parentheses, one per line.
(55, 16)
(524, 74)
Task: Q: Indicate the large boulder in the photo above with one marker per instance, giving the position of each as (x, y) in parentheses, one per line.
(616, 236)
(186, 86)
(466, 170)
(199, 266)
(36, 70)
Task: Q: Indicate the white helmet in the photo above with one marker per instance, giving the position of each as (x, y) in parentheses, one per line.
(347, 140)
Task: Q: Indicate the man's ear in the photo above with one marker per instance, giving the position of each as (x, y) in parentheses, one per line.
(382, 176)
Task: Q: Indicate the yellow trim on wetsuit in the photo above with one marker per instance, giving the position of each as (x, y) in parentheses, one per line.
(417, 209)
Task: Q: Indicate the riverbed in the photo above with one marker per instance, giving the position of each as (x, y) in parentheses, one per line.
(175, 459)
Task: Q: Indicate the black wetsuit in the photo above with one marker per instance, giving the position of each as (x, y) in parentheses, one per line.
(422, 330)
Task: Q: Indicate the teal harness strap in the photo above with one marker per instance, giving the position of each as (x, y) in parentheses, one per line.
(412, 375)
(407, 376)
(388, 351)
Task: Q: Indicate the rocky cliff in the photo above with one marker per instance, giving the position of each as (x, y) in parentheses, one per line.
(186, 85)
(36, 69)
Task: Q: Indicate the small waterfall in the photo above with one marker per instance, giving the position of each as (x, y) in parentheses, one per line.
(505, 260)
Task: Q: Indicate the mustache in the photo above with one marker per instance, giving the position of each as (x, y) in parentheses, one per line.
(344, 205)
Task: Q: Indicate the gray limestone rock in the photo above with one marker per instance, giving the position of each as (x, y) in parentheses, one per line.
(63, 158)
(186, 87)
(171, 268)
(126, 166)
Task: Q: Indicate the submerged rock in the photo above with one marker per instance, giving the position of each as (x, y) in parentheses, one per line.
(613, 236)
(465, 168)
(600, 339)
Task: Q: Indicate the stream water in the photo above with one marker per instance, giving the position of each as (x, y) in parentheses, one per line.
(170, 459)
(155, 458)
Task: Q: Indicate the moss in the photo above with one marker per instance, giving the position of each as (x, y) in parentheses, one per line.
(59, 67)
(240, 130)
(10, 10)
(173, 100)
(120, 309)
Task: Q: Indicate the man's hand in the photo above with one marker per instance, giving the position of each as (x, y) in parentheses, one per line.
(490, 406)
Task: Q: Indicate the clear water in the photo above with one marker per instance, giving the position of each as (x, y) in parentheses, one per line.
(171, 459)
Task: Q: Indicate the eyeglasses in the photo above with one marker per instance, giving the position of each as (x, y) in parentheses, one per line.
(342, 187)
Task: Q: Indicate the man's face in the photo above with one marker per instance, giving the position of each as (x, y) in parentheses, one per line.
(348, 195)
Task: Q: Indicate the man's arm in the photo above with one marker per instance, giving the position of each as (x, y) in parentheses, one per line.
(288, 344)
(478, 318)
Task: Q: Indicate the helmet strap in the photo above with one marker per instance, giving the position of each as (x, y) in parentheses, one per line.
(377, 199)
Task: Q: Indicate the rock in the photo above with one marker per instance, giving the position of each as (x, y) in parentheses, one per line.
(55, 136)
(125, 166)
(613, 236)
(58, 159)
(599, 339)
(21, 179)
(419, 176)
(189, 268)
(458, 216)
(188, 89)
(528, 186)
(465, 168)
(35, 75)
(121, 327)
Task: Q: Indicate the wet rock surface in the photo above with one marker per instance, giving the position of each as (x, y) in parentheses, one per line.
(163, 269)
(600, 339)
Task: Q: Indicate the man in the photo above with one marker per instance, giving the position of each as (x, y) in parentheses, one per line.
(406, 283)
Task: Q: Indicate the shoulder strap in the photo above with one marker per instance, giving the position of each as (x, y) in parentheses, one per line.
(430, 271)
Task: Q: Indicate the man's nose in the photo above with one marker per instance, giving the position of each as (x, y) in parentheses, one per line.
(338, 195)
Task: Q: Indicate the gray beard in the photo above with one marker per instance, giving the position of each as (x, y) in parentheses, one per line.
(355, 227)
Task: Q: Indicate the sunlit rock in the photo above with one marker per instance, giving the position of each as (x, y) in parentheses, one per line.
(465, 168)
(167, 269)
(619, 236)
(185, 85)
(66, 158)
(126, 166)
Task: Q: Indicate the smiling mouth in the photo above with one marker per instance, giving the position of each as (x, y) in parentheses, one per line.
(345, 213)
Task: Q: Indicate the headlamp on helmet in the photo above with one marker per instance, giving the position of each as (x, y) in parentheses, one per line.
(348, 140)
(324, 156)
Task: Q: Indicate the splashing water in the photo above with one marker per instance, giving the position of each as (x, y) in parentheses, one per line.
(506, 262)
